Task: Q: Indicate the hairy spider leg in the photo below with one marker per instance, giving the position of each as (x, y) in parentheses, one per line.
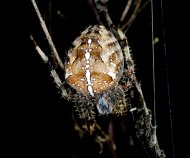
(53, 72)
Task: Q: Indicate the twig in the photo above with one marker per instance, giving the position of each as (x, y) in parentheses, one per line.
(126, 10)
(132, 16)
(43, 25)
(54, 74)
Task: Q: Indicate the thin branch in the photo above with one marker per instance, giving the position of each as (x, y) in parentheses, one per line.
(112, 145)
(134, 17)
(54, 74)
(134, 14)
(126, 10)
(102, 9)
(138, 87)
(91, 4)
(43, 25)
(39, 51)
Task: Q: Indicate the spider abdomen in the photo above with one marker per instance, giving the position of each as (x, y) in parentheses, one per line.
(95, 62)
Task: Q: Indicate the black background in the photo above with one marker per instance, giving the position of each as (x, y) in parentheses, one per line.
(38, 121)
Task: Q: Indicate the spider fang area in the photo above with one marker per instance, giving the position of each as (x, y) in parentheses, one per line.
(95, 62)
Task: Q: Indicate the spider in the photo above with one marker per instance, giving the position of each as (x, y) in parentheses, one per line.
(98, 70)
(99, 75)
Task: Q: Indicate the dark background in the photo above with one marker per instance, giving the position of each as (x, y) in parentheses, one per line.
(39, 121)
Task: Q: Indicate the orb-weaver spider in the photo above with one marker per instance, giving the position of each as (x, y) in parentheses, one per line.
(99, 76)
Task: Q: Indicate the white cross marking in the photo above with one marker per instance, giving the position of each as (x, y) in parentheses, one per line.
(90, 89)
(112, 74)
(87, 75)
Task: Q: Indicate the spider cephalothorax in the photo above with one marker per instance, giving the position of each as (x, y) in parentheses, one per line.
(94, 69)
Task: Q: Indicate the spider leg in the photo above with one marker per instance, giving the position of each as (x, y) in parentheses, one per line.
(138, 7)
(101, 7)
(54, 74)
(49, 39)
(131, 68)
(102, 10)
(145, 131)
(132, 17)
(126, 10)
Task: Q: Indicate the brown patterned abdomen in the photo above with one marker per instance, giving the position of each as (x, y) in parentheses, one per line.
(95, 62)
